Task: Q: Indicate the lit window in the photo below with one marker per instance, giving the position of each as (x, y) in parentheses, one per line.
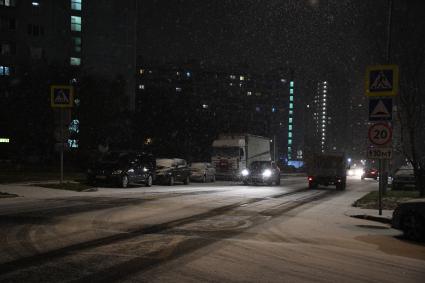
(4, 140)
(4, 71)
(290, 127)
(74, 61)
(178, 89)
(188, 74)
(7, 3)
(242, 78)
(75, 23)
(232, 77)
(34, 3)
(249, 93)
(291, 112)
(289, 142)
(291, 105)
(290, 120)
(291, 91)
(289, 134)
(291, 98)
(141, 86)
(289, 149)
(141, 71)
(291, 84)
(77, 44)
(76, 5)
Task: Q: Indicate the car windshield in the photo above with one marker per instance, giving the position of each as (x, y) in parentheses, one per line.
(258, 165)
(164, 163)
(226, 151)
(198, 165)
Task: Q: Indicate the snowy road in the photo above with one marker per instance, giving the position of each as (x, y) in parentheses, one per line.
(202, 232)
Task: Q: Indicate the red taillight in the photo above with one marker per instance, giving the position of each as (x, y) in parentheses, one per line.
(310, 179)
(373, 173)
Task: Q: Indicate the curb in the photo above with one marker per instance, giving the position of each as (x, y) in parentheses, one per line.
(372, 218)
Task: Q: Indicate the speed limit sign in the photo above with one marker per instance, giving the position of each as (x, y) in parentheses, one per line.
(380, 134)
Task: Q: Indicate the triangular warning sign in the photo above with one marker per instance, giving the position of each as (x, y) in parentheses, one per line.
(61, 97)
(380, 111)
(381, 82)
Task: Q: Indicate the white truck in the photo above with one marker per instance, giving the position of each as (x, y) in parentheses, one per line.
(234, 152)
(327, 169)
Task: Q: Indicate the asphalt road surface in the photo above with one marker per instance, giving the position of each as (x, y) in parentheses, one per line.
(214, 232)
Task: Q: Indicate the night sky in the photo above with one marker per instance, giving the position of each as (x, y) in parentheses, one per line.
(314, 37)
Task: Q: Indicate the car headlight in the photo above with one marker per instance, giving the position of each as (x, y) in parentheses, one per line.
(359, 172)
(267, 173)
(245, 172)
(116, 172)
(145, 169)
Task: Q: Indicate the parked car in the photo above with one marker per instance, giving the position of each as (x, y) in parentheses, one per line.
(371, 173)
(403, 178)
(202, 172)
(261, 172)
(171, 170)
(410, 218)
(123, 168)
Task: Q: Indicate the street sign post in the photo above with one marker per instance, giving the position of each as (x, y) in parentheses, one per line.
(61, 96)
(382, 80)
(380, 134)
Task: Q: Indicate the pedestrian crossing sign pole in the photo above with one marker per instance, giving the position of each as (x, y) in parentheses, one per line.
(382, 80)
(61, 96)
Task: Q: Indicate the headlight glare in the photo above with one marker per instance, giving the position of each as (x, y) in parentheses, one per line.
(267, 173)
(245, 172)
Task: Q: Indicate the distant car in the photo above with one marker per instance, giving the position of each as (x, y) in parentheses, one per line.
(370, 173)
(123, 168)
(202, 172)
(171, 170)
(410, 218)
(403, 178)
(261, 172)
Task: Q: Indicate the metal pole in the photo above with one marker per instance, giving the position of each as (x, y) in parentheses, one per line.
(274, 148)
(61, 146)
(381, 182)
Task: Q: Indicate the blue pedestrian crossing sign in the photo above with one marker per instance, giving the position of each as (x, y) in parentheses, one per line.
(61, 96)
(382, 80)
(380, 109)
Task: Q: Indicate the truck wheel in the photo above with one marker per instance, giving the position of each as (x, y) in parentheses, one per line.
(312, 186)
(171, 181)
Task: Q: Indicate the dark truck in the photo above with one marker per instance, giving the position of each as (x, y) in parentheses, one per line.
(327, 169)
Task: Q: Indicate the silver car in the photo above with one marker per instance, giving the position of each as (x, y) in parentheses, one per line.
(202, 172)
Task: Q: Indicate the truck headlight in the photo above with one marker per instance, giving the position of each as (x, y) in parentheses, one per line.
(267, 173)
(245, 172)
(116, 172)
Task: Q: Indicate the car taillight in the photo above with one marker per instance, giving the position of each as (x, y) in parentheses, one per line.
(310, 179)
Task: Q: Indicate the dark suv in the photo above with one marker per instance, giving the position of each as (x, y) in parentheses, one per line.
(123, 168)
(171, 170)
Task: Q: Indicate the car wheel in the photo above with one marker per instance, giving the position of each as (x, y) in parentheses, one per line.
(171, 181)
(187, 181)
(91, 181)
(414, 227)
(278, 181)
(362, 178)
(124, 181)
(149, 181)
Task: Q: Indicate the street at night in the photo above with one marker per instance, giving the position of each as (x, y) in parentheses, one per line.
(212, 141)
(212, 232)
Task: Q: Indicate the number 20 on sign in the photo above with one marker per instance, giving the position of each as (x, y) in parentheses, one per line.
(380, 134)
